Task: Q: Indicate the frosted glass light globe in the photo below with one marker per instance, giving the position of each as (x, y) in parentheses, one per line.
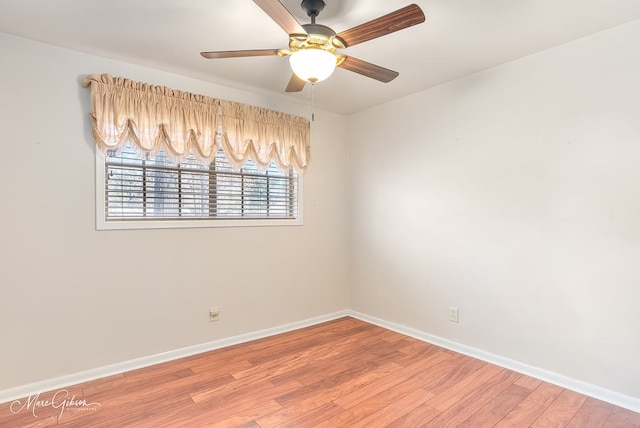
(312, 65)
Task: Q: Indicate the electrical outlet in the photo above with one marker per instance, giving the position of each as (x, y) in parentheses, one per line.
(454, 314)
(214, 314)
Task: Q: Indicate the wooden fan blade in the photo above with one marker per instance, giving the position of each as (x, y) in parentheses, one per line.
(367, 69)
(295, 84)
(239, 54)
(281, 16)
(387, 24)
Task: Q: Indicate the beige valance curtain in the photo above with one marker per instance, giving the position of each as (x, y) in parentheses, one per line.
(155, 118)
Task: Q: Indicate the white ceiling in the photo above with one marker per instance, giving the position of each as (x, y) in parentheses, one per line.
(459, 37)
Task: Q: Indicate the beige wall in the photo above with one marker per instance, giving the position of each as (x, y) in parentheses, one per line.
(514, 195)
(73, 299)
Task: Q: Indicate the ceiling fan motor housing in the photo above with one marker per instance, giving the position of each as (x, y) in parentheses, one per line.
(317, 37)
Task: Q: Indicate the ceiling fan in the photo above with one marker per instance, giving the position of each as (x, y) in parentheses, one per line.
(312, 47)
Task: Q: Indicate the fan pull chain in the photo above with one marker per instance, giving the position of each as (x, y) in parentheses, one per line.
(312, 88)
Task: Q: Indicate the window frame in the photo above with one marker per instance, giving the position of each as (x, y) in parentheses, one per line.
(124, 224)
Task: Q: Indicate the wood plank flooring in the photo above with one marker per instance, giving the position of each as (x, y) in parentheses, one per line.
(343, 373)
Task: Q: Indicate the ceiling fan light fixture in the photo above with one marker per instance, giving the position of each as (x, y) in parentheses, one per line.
(312, 64)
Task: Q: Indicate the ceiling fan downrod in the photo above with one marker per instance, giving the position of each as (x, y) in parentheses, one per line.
(312, 8)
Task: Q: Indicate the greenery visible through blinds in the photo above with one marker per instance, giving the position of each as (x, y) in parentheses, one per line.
(157, 189)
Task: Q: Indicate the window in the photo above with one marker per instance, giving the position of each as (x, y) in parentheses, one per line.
(159, 193)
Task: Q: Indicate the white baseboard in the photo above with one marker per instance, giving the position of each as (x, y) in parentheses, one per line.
(585, 388)
(579, 386)
(112, 369)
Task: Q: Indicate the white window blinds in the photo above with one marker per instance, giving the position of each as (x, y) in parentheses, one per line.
(158, 189)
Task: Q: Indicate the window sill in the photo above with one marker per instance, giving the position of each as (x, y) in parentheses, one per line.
(101, 224)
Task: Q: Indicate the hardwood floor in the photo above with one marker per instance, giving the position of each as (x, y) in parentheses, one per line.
(343, 373)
